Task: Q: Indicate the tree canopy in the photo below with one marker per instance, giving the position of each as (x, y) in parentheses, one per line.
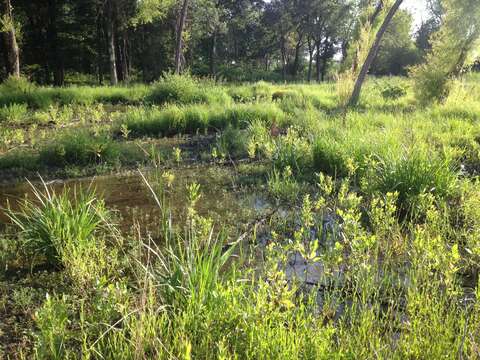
(137, 40)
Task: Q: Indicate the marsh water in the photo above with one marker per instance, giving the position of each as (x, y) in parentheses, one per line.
(222, 199)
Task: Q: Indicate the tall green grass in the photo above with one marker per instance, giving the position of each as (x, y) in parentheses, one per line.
(79, 148)
(67, 229)
(191, 119)
(20, 91)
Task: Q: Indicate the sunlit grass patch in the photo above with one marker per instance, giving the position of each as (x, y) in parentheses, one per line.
(175, 119)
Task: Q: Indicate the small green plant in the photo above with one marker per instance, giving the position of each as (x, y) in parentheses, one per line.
(283, 186)
(292, 151)
(53, 322)
(411, 176)
(232, 142)
(24, 298)
(177, 155)
(125, 131)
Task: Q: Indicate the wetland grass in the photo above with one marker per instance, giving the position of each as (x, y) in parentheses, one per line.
(370, 251)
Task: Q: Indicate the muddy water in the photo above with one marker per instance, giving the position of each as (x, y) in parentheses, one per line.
(222, 199)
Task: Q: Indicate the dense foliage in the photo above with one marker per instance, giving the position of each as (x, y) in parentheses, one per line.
(83, 41)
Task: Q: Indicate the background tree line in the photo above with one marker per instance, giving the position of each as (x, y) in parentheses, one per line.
(137, 40)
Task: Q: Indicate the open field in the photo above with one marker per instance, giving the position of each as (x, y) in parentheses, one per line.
(188, 219)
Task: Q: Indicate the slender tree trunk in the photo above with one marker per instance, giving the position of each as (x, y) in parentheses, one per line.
(125, 67)
(376, 13)
(311, 49)
(55, 58)
(310, 66)
(324, 68)
(179, 57)
(110, 24)
(235, 46)
(372, 54)
(284, 59)
(100, 41)
(213, 55)
(122, 66)
(10, 42)
(371, 20)
(318, 58)
(345, 45)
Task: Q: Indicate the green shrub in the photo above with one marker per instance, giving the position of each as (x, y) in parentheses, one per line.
(262, 91)
(16, 91)
(20, 159)
(53, 336)
(393, 92)
(22, 92)
(185, 89)
(243, 115)
(241, 94)
(284, 94)
(175, 88)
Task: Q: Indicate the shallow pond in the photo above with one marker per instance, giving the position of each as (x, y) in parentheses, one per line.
(223, 200)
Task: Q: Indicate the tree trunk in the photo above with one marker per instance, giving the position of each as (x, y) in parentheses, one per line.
(376, 13)
(110, 24)
(324, 68)
(371, 20)
(125, 54)
(179, 57)
(55, 58)
(311, 49)
(296, 62)
(10, 42)
(284, 59)
(372, 54)
(122, 67)
(213, 55)
(100, 50)
(345, 45)
(318, 59)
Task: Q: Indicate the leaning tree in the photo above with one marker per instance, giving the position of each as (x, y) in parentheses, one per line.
(372, 53)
